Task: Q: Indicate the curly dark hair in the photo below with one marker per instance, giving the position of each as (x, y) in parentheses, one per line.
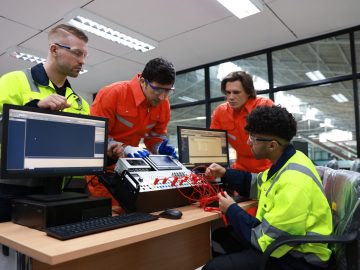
(274, 120)
(244, 78)
(159, 70)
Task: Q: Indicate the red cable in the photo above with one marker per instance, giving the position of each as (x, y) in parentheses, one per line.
(203, 192)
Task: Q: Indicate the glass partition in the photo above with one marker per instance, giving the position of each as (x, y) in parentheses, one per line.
(255, 66)
(189, 87)
(313, 61)
(325, 114)
(193, 116)
(326, 120)
(357, 49)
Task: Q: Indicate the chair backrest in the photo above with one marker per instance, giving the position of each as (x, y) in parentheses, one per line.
(355, 165)
(342, 189)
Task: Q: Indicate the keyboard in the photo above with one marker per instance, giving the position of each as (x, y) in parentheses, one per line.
(86, 227)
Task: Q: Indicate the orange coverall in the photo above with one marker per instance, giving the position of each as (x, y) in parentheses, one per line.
(234, 122)
(130, 119)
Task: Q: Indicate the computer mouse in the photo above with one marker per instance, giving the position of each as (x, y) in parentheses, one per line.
(171, 214)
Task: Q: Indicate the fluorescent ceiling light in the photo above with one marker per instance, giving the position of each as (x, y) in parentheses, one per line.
(28, 57)
(189, 99)
(101, 27)
(340, 98)
(242, 8)
(315, 75)
(33, 59)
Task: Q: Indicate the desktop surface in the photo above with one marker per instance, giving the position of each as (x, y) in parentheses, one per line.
(138, 238)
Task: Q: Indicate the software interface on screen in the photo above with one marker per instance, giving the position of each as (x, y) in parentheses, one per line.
(39, 144)
(162, 162)
(202, 146)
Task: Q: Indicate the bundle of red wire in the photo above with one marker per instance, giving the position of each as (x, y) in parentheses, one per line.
(202, 191)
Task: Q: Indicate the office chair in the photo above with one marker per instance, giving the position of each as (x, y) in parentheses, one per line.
(355, 165)
(342, 189)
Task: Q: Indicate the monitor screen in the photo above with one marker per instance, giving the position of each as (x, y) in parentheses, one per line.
(201, 146)
(162, 162)
(42, 143)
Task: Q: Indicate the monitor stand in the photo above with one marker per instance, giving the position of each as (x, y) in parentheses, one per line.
(53, 191)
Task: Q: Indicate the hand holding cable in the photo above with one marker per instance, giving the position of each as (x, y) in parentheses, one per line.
(214, 171)
(225, 201)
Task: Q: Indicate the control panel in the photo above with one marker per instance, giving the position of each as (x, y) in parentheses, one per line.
(155, 172)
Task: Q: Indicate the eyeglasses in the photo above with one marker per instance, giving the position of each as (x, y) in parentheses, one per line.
(75, 52)
(159, 90)
(253, 139)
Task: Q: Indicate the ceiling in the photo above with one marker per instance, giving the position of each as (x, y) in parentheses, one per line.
(189, 32)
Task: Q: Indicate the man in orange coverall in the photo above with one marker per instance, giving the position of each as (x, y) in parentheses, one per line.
(238, 87)
(136, 109)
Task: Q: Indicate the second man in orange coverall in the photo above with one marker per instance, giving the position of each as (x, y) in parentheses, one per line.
(238, 87)
(136, 109)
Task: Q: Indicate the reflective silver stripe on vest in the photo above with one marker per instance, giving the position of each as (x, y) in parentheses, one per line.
(30, 79)
(232, 137)
(79, 101)
(309, 257)
(124, 121)
(265, 228)
(150, 126)
(254, 186)
(259, 179)
(299, 168)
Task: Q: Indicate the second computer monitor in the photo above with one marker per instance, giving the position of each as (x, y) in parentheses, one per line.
(202, 146)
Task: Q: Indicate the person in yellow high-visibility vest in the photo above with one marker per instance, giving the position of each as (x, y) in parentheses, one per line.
(46, 85)
(291, 201)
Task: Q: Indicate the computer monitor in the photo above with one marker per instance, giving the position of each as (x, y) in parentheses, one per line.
(44, 144)
(202, 146)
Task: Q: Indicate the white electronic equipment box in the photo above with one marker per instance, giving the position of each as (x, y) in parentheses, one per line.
(150, 183)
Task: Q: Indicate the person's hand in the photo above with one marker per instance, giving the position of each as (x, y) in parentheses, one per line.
(132, 151)
(165, 149)
(225, 201)
(214, 171)
(115, 149)
(54, 102)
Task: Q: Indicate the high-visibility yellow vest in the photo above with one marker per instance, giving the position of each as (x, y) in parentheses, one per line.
(19, 88)
(293, 202)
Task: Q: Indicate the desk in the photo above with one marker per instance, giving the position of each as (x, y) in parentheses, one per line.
(162, 244)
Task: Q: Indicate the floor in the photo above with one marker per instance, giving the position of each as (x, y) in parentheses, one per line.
(7, 262)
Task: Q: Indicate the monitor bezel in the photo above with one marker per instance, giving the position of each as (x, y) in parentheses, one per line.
(179, 128)
(8, 174)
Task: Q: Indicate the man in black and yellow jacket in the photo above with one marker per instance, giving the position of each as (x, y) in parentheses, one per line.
(291, 201)
(46, 85)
